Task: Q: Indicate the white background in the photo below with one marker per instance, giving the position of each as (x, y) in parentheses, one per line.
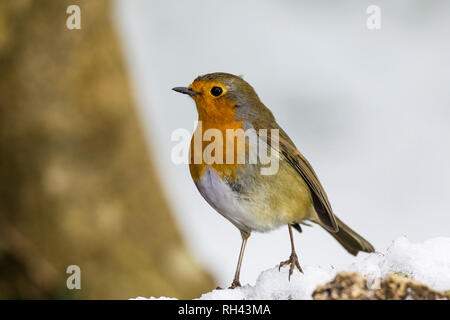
(369, 109)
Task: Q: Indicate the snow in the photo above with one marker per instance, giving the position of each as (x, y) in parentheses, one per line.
(274, 285)
(427, 262)
(153, 298)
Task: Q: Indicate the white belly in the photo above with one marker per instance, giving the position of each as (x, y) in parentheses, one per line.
(226, 201)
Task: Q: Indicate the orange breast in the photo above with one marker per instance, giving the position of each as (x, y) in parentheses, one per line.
(215, 118)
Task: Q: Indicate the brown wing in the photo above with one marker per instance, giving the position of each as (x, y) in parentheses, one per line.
(289, 152)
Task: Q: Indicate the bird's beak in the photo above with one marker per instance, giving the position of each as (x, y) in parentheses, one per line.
(185, 90)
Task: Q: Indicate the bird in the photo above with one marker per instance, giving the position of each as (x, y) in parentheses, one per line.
(254, 201)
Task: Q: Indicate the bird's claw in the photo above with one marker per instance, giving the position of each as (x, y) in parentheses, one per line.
(235, 284)
(292, 262)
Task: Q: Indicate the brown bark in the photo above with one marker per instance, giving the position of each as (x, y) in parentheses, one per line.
(77, 185)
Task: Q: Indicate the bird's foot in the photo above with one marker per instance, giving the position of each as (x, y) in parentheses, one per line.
(292, 262)
(235, 284)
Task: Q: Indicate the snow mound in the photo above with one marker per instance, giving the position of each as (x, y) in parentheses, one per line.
(274, 285)
(427, 262)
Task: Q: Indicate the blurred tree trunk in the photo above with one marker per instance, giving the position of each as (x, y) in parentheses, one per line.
(76, 182)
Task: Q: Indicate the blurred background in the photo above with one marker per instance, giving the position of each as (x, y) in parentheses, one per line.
(86, 118)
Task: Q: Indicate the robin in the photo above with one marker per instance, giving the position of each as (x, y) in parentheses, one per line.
(240, 191)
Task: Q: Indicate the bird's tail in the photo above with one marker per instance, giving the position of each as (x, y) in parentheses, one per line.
(350, 240)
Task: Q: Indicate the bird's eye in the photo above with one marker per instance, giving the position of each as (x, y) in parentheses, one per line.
(216, 91)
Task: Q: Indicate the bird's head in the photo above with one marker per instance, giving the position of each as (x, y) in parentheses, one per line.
(224, 97)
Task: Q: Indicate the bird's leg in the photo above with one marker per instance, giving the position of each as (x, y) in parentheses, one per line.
(293, 260)
(236, 282)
